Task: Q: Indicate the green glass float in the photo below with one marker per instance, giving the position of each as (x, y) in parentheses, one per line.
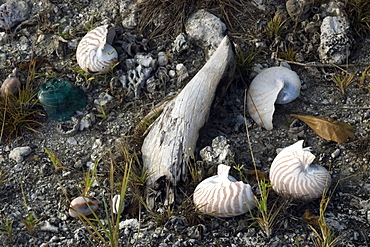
(60, 99)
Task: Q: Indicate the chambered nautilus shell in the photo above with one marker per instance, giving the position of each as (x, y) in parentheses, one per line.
(292, 173)
(276, 84)
(94, 55)
(221, 195)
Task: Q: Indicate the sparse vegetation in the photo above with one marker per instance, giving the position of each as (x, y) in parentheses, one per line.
(2, 177)
(196, 173)
(245, 60)
(110, 225)
(365, 74)
(30, 222)
(326, 236)
(343, 80)
(90, 177)
(288, 54)
(19, 113)
(276, 25)
(6, 227)
(54, 160)
(358, 11)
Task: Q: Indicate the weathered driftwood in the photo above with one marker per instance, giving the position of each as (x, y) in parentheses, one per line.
(172, 137)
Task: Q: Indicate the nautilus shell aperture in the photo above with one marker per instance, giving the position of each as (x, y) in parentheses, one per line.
(292, 173)
(94, 55)
(222, 196)
(273, 85)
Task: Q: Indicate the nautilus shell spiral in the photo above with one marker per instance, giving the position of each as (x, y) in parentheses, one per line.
(292, 173)
(221, 195)
(94, 55)
(276, 84)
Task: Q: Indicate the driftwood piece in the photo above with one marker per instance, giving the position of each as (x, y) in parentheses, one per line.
(172, 137)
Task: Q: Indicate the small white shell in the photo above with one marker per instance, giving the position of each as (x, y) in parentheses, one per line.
(82, 205)
(222, 196)
(278, 84)
(10, 86)
(115, 204)
(93, 54)
(292, 173)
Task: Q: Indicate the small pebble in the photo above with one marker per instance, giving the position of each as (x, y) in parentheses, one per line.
(18, 154)
(335, 153)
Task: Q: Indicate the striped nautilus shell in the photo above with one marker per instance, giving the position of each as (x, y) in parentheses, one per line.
(276, 84)
(292, 173)
(221, 195)
(94, 55)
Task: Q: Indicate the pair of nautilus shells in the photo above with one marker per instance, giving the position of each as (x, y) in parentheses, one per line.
(93, 54)
(292, 175)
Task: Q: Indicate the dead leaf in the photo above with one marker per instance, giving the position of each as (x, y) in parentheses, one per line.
(310, 218)
(257, 174)
(329, 129)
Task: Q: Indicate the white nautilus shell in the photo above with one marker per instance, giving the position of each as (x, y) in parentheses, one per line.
(221, 195)
(276, 84)
(292, 173)
(94, 55)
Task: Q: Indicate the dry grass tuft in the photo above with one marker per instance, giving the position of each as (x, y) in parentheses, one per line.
(167, 18)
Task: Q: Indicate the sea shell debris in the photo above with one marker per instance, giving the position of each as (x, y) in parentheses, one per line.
(93, 54)
(221, 195)
(115, 204)
(83, 205)
(293, 174)
(275, 84)
(10, 86)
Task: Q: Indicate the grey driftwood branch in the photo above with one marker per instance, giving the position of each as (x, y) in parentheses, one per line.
(172, 137)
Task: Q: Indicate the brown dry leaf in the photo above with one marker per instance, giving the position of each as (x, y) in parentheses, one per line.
(258, 174)
(310, 218)
(329, 129)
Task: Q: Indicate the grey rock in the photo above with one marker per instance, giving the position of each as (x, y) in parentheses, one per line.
(332, 8)
(259, 4)
(128, 11)
(206, 28)
(87, 121)
(47, 227)
(175, 223)
(13, 12)
(182, 73)
(132, 224)
(180, 43)
(219, 153)
(335, 41)
(72, 141)
(103, 99)
(162, 58)
(18, 154)
(297, 9)
(145, 60)
(151, 84)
